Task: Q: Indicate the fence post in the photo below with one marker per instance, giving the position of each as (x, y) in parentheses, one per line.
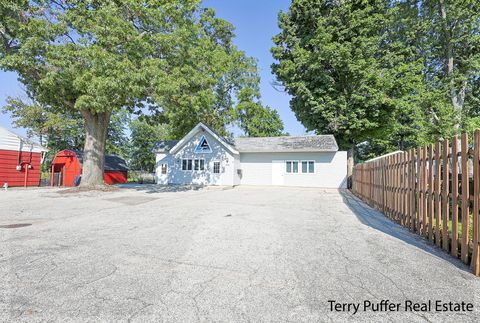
(465, 198)
(438, 205)
(445, 194)
(454, 249)
(431, 200)
(476, 197)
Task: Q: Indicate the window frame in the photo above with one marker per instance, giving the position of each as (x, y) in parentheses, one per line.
(291, 168)
(190, 164)
(308, 166)
(163, 169)
(219, 167)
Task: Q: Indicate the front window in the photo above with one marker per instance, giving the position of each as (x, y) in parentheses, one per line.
(164, 168)
(308, 166)
(291, 166)
(216, 167)
(193, 164)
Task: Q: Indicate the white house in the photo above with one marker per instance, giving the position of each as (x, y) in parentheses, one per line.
(203, 157)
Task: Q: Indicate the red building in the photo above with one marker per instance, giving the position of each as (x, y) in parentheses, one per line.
(20, 160)
(67, 166)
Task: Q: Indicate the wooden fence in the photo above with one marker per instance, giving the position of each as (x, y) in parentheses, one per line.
(433, 190)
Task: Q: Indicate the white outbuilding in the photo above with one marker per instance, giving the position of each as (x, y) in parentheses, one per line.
(203, 157)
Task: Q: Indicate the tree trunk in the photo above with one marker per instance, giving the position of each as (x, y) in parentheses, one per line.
(350, 164)
(457, 96)
(96, 127)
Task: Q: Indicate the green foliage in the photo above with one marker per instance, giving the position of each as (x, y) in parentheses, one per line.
(389, 75)
(93, 58)
(63, 129)
(143, 138)
(256, 120)
(328, 60)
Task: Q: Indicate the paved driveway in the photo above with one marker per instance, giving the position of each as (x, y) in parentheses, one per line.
(247, 254)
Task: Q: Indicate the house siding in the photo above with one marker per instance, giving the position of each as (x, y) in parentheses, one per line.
(330, 169)
(175, 174)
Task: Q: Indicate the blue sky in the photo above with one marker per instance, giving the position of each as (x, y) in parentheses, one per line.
(255, 24)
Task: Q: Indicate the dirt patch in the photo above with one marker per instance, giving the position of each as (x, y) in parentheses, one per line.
(131, 200)
(101, 188)
(14, 226)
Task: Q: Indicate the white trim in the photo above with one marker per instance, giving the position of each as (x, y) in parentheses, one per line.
(192, 133)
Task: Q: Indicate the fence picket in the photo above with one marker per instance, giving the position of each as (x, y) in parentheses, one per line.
(476, 206)
(454, 249)
(465, 198)
(425, 189)
(445, 194)
(437, 188)
(430, 201)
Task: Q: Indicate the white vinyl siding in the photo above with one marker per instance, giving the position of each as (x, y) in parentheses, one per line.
(324, 169)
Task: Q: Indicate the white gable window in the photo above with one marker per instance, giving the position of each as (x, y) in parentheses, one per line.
(164, 168)
(203, 146)
(291, 166)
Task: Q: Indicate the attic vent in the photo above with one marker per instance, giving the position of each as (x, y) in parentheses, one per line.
(203, 146)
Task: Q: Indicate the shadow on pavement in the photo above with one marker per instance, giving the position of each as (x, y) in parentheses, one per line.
(155, 188)
(376, 220)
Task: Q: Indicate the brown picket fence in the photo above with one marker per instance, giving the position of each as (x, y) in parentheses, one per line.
(432, 190)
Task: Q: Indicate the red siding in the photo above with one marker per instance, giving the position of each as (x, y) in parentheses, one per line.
(9, 159)
(67, 162)
(115, 177)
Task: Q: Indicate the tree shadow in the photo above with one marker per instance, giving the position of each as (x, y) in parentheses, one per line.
(156, 188)
(378, 221)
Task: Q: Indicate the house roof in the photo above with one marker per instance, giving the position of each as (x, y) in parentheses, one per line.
(201, 127)
(11, 141)
(319, 143)
(112, 162)
(164, 145)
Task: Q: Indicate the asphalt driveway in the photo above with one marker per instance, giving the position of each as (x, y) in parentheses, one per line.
(248, 254)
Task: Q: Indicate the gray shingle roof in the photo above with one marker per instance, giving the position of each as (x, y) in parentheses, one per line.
(164, 145)
(112, 162)
(287, 144)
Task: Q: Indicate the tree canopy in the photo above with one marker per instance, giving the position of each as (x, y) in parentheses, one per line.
(93, 58)
(391, 74)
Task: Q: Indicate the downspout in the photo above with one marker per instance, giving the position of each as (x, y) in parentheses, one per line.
(26, 174)
(52, 176)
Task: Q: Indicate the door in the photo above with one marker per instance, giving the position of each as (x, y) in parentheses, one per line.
(278, 172)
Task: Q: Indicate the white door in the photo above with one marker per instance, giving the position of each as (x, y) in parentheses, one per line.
(277, 172)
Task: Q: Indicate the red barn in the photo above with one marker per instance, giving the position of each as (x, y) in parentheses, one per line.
(20, 160)
(67, 165)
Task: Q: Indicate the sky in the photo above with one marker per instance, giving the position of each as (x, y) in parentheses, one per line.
(255, 24)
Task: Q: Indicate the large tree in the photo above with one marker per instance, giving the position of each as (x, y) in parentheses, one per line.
(95, 57)
(387, 74)
(329, 60)
(59, 129)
